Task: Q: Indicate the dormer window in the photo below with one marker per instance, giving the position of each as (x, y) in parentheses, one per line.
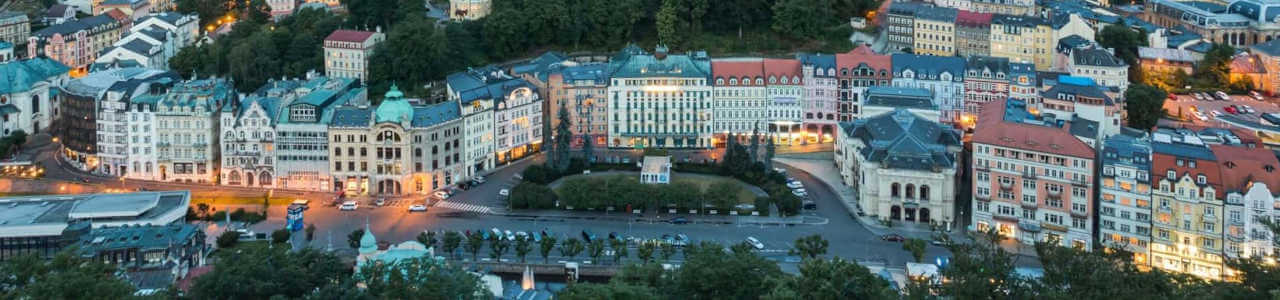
(733, 81)
(1171, 174)
(773, 80)
(795, 79)
(784, 80)
(719, 81)
(1201, 179)
(759, 81)
(1269, 168)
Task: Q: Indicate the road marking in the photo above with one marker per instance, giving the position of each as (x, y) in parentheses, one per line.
(466, 207)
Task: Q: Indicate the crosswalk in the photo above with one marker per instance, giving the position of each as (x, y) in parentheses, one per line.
(465, 207)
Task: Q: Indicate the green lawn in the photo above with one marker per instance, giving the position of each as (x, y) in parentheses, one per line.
(745, 196)
(241, 200)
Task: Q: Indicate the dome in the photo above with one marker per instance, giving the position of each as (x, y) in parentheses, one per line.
(368, 243)
(393, 107)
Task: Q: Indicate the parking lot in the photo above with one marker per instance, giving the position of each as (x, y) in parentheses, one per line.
(1187, 104)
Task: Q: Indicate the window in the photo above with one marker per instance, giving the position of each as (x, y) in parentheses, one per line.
(1171, 174)
(1200, 179)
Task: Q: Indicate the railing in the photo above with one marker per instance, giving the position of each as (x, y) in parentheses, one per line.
(1029, 174)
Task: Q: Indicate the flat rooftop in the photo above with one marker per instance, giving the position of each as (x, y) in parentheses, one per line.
(49, 214)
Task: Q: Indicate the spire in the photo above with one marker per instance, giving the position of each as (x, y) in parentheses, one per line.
(368, 243)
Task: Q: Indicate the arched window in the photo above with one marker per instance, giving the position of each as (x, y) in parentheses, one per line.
(733, 81)
(894, 190)
(795, 79)
(911, 191)
(773, 80)
(759, 81)
(264, 179)
(924, 192)
(719, 81)
(784, 80)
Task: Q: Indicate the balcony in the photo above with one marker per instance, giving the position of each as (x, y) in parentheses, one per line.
(982, 197)
(1057, 194)
(1208, 218)
(1079, 213)
(981, 167)
(1080, 183)
(1028, 174)
(1007, 185)
(1005, 217)
(1054, 227)
(1029, 204)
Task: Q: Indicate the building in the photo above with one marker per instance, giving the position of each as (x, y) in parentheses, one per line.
(1067, 24)
(986, 79)
(1239, 23)
(886, 99)
(1022, 39)
(15, 27)
(860, 69)
(1023, 84)
(469, 10)
(25, 102)
(1124, 212)
(660, 100)
(903, 166)
(282, 8)
(77, 111)
(515, 128)
(148, 47)
(1079, 97)
(1249, 181)
(302, 147)
(580, 90)
(785, 92)
(44, 225)
(821, 97)
(942, 75)
(1014, 7)
(656, 170)
(398, 134)
(1102, 66)
(189, 117)
(248, 141)
(1188, 209)
(740, 98)
(1033, 178)
(935, 32)
(56, 13)
(1167, 60)
(133, 9)
(973, 33)
(76, 43)
(346, 53)
(126, 119)
(1269, 55)
(900, 25)
(185, 28)
(175, 248)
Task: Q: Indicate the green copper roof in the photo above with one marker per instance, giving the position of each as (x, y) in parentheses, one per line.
(19, 76)
(393, 108)
(637, 65)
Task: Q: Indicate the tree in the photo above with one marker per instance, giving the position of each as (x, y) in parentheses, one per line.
(563, 139)
(1124, 40)
(353, 238)
(420, 278)
(209, 11)
(1144, 105)
(523, 247)
(258, 61)
(669, 23)
(981, 270)
(708, 270)
(452, 239)
(723, 194)
(415, 53)
(571, 247)
(280, 236)
(666, 251)
(1214, 71)
(228, 239)
(261, 273)
(832, 279)
(619, 249)
(755, 144)
(544, 248)
(498, 247)
(532, 196)
(802, 19)
(427, 238)
(588, 148)
(916, 247)
(595, 249)
(63, 276)
(769, 149)
(810, 247)
(611, 290)
(645, 250)
(474, 243)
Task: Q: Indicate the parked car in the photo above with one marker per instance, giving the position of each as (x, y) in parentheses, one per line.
(809, 204)
(349, 205)
(679, 220)
(1255, 95)
(417, 207)
(780, 170)
(799, 193)
(755, 243)
(504, 193)
(1199, 96)
(795, 185)
(441, 194)
(1230, 109)
(478, 180)
(1248, 109)
(510, 236)
(587, 236)
(681, 240)
(939, 243)
(497, 234)
(1215, 114)
(893, 237)
(380, 201)
(1200, 115)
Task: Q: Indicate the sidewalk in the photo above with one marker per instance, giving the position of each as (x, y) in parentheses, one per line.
(665, 217)
(825, 171)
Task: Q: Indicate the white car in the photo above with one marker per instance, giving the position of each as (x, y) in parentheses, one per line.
(441, 194)
(417, 207)
(1199, 96)
(1248, 109)
(1200, 115)
(478, 179)
(1215, 114)
(755, 243)
(504, 192)
(349, 205)
(799, 193)
(1222, 95)
(380, 202)
(795, 185)
(510, 236)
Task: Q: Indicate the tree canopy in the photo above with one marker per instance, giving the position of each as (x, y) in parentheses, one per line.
(1144, 105)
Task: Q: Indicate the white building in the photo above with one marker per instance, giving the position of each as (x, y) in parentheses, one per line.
(661, 100)
(1251, 184)
(127, 124)
(188, 131)
(248, 141)
(903, 166)
(517, 120)
(1124, 216)
(346, 53)
(656, 170)
(185, 28)
(785, 92)
(302, 145)
(739, 102)
(1102, 66)
(503, 116)
(1079, 97)
(25, 97)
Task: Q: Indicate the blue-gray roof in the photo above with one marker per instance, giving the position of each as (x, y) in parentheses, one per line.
(427, 116)
(597, 73)
(1070, 85)
(819, 61)
(995, 65)
(1021, 21)
(937, 13)
(903, 140)
(1185, 36)
(495, 91)
(1072, 42)
(1017, 70)
(540, 66)
(902, 97)
(905, 8)
(69, 27)
(1271, 48)
(928, 67)
(673, 65)
(140, 237)
(137, 46)
(1127, 150)
(348, 116)
(20, 75)
(1096, 57)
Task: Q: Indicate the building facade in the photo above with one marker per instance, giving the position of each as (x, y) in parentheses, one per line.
(346, 53)
(76, 43)
(581, 91)
(1188, 209)
(469, 10)
(860, 69)
(24, 100)
(302, 151)
(986, 79)
(935, 31)
(1249, 181)
(248, 141)
(785, 92)
(15, 27)
(900, 24)
(973, 33)
(1124, 213)
(1022, 39)
(942, 75)
(1033, 180)
(188, 149)
(660, 100)
(740, 103)
(1102, 66)
(821, 97)
(384, 151)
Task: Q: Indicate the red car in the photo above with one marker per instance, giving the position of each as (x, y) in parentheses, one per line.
(1230, 110)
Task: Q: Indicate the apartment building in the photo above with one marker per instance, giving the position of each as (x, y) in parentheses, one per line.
(346, 53)
(580, 90)
(973, 33)
(1023, 83)
(986, 79)
(785, 92)
(15, 27)
(1022, 39)
(935, 31)
(188, 116)
(660, 100)
(740, 98)
(1102, 66)
(76, 43)
(248, 141)
(301, 131)
(860, 69)
(1124, 212)
(1188, 205)
(1033, 177)
(900, 25)
(1080, 97)
(1011, 7)
(821, 90)
(384, 151)
(127, 124)
(510, 105)
(1250, 182)
(25, 104)
(941, 75)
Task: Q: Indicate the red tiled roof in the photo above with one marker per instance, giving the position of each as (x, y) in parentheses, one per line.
(119, 16)
(1246, 64)
(343, 35)
(737, 68)
(782, 67)
(993, 130)
(965, 17)
(1241, 166)
(864, 55)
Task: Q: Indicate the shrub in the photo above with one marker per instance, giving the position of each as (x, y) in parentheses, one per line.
(228, 239)
(280, 236)
(533, 196)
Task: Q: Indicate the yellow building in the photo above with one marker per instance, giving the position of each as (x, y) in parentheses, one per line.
(1187, 213)
(1022, 39)
(935, 31)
